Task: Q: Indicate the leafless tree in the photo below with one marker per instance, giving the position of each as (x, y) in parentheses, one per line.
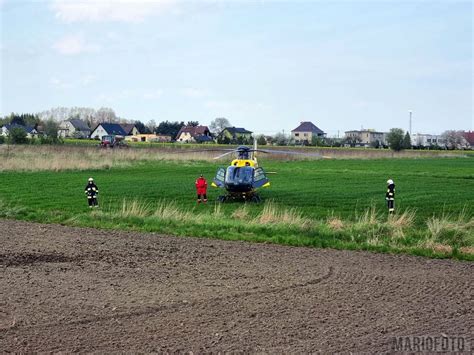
(218, 125)
(454, 140)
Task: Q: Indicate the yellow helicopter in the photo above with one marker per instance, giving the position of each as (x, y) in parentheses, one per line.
(243, 176)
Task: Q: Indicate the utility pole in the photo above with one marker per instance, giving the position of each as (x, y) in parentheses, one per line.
(410, 112)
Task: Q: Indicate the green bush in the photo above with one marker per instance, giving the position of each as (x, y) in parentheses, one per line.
(17, 136)
(50, 140)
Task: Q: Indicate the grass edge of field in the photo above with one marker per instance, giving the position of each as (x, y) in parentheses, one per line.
(284, 227)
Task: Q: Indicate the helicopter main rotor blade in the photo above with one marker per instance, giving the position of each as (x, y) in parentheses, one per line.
(223, 155)
(186, 150)
(289, 152)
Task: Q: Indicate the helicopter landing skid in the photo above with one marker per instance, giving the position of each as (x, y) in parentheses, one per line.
(240, 197)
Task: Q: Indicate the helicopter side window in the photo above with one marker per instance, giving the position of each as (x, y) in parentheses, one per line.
(239, 175)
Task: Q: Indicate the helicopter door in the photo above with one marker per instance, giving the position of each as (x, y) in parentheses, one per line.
(220, 177)
(260, 178)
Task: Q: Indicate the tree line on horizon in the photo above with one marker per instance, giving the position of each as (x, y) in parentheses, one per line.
(47, 123)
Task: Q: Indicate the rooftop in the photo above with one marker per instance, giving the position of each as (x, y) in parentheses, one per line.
(307, 127)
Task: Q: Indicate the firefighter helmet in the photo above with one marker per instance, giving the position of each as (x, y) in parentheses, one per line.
(91, 179)
(389, 182)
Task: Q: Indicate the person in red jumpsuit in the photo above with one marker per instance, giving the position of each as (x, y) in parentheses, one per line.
(201, 188)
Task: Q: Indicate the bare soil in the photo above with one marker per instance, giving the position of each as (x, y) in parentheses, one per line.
(66, 289)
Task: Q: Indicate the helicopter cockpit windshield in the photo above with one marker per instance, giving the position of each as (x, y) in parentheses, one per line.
(239, 175)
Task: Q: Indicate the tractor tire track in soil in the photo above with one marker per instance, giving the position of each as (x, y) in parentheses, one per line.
(79, 289)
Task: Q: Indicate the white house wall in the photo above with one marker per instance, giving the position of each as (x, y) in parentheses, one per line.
(99, 132)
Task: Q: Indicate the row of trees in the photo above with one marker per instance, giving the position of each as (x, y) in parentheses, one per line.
(94, 117)
(18, 135)
(398, 140)
(171, 128)
(47, 122)
(24, 119)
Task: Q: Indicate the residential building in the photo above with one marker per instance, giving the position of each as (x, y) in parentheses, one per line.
(305, 132)
(365, 138)
(74, 128)
(148, 138)
(426, 140)
(130, 129)
(235, 135)
(194, 134)
(30, 131)
(107, 129)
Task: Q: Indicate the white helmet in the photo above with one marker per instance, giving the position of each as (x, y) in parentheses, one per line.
(91, 179)
(389, 182)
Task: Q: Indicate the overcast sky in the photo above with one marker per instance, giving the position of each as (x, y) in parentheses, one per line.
(264, 65)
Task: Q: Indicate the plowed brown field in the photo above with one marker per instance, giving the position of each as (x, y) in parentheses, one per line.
(72, 289)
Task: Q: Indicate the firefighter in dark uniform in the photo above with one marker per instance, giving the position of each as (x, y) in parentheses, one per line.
(91, 192)
(390, 196)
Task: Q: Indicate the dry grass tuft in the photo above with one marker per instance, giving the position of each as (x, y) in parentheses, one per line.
(271, 213)
(467, 250)
(241, 213)
(404, 220)
(374, 241)
(170, 210)
(436, 226)
(134, 208)
(441, 248)
(461, 224)
(370, 217)
(335, 223)
(397, 223)
(217, 210)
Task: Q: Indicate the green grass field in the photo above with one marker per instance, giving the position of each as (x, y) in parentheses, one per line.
(323, 203)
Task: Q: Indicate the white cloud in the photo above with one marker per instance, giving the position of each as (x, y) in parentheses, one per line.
(109, 10)
(153, 94)
(112, 36)
(59, 84)
(88, 79)
(240, 106)
(220, 105)
(74, 44)
(127, 94)
(194, 93)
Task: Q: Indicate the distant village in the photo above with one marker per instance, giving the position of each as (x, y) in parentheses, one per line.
(47, 127)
